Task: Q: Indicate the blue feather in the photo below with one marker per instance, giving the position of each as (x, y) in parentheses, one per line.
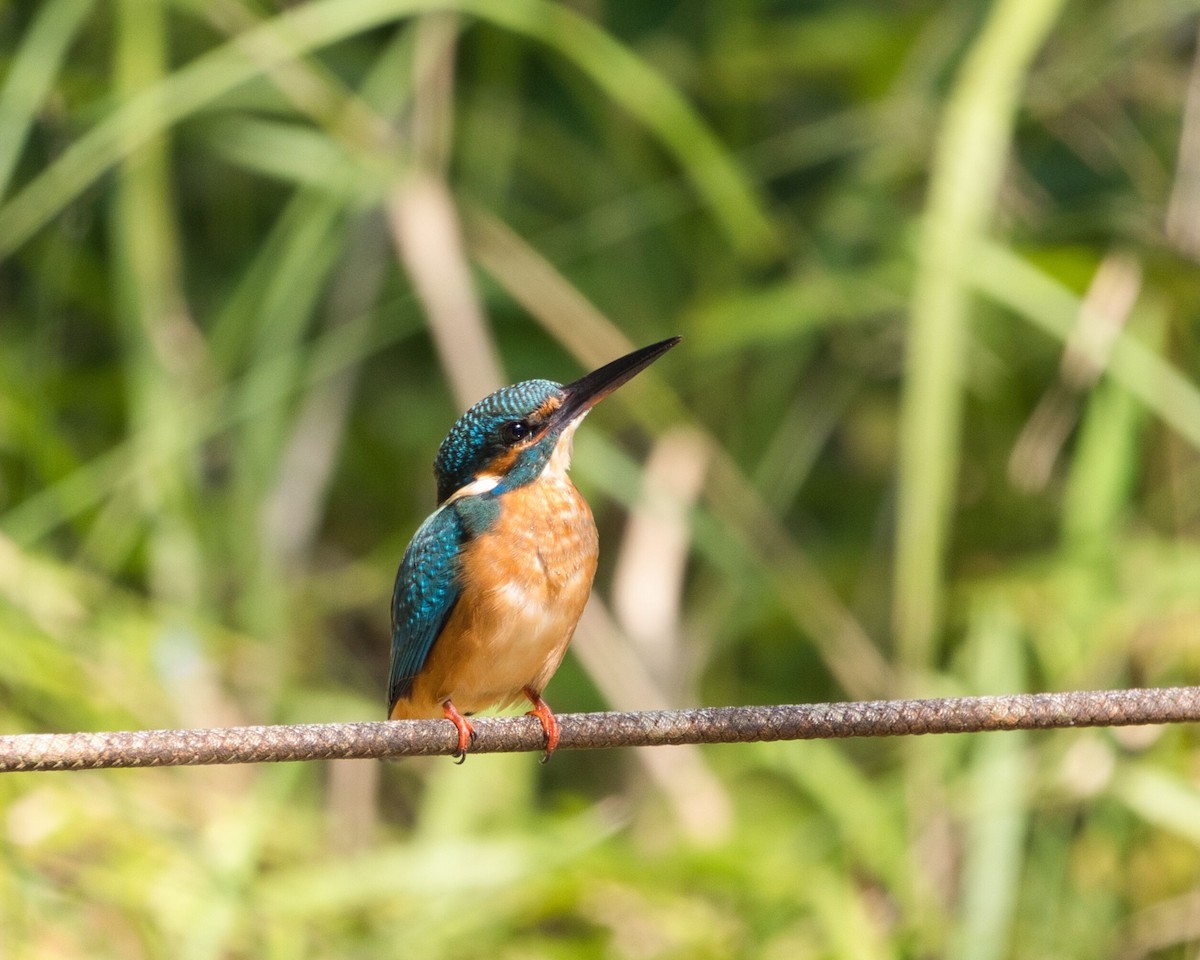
(427, 585)
(426, 591)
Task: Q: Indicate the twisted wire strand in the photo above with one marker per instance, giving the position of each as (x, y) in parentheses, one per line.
(590, 731)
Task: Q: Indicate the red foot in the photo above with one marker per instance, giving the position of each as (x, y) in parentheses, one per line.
(549, 721)
(466, 732)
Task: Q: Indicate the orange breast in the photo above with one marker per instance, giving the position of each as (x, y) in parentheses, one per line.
(524, 586)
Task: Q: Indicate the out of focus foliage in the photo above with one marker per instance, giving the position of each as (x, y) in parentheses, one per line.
(933, 429)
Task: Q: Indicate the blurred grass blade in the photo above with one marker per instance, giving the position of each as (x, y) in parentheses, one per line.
(1105, 463)
(866, 819)
(31, 74)
(972, 148)
(1103, 469)
(778, 314)
(996, 781)
(1158, 797)
(1013, 281)
(624, 77)
(289, 152)
(181, 94)
(633, 84)
(165, 355)
(427, 236)
(97, 479)
(852, 922)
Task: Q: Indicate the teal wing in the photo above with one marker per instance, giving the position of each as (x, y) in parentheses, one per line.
(426, 591)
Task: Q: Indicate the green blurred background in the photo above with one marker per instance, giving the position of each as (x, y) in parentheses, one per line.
(932, 430)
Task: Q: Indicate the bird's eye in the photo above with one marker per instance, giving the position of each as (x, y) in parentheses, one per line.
(514, 431)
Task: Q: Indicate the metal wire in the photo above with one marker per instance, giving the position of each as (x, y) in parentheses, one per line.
(589, 731)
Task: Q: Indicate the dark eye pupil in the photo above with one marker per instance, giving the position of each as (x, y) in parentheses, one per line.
(516, 430)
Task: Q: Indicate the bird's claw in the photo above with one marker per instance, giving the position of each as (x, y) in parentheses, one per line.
(466, 732)
(548, 720)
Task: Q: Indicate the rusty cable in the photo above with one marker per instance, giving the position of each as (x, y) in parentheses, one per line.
(589, 731)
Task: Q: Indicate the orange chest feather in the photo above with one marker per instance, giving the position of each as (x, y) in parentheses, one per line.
(543, 542)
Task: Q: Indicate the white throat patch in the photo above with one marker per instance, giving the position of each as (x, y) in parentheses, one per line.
(560, 459)
(481, 484)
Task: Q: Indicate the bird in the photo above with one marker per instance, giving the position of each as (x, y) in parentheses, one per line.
(492, 585)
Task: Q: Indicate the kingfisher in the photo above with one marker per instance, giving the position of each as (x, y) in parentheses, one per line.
(493, 584)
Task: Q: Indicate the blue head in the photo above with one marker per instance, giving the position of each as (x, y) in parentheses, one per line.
(507, 438)
(506, 435)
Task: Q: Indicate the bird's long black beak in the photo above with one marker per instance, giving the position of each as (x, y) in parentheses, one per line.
(589, 390)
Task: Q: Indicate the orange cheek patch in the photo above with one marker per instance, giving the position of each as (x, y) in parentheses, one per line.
(501, 465)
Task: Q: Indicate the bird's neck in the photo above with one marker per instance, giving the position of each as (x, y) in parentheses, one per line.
(560, 457)
(478, 502)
